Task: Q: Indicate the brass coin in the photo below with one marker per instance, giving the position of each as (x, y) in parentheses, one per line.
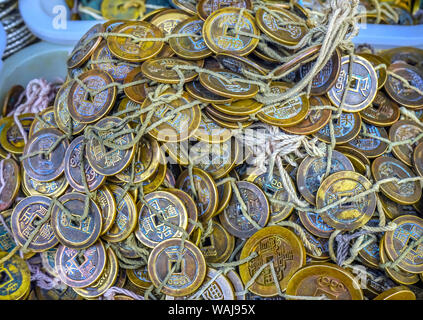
(404, 130)
(228, 124)
(363, 85)
(81, 271)
(151, 228)
(3, 122)
(224, 117)
(382, 111)
(282, 32)
(73, 171)
(387, 167)
(198, 91)
(126, 49)
(239, 107)
(11, 139)
(7, 242)
(63, 292)
(16, 278)
(129, 108)
(349, 215)
(43, 167)
(227, 86)
(25, 219)
(168, 19)
(314, 224)
(346, 128)
(257, 205)
(111, 24)
(11, 98)
(49, 122)
(324, 279)
(48, 261)
(224, 193)
(206, 7)
(184, 5)
(156, 180)
(140, 277)
(357, 158)
(106, 280)
(207, 196)
(182, 125)
(86, 107)
(237, 284)
(138, 92)
(398, 91)
(275, 189)
(311, 173)
(189, 204)
(191, 273)
(218, 246)
(418, 159)
(146, 161)
(393, 209)
(107, 204)
(409, 229)
(51, 189)
(126, 216)
(210, 132)
(178, 152)
(370, 147)
(370, 255)
(148, 16)
(193, 47)
(397, 293)
(76, 234)
(85, 47)
(162, 70)
(240, 64)
(287, 113)
(314, 120)
(272, 243)
(288, 68)
(103, 60)
(11, 183)
(376, 60)
(100, 158)
(399, 276)
(220, 35)
(119, 9)
(61, 111)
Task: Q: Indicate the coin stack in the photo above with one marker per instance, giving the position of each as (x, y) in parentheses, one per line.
(214, 152)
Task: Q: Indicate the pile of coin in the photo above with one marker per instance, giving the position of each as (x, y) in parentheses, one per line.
(141, 181)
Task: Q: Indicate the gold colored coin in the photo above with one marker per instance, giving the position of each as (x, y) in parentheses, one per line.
(10, 184)
(397, 293)
(376, 60)
(357, 158)
(189, 204)
(404, 130)
(198, 91)
(218, 246)
(136, 92)
(119, 9)
(206, 7)
(162, 70)
(156, 180)
(168, 19)
(11, 139)
(49, 122)
(52, 189)
(210, 132)
(239, 107)
(16, 278)
(139, 277)
(382, 111)
(229, 124)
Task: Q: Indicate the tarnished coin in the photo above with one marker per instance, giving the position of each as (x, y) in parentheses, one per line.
(126, 216)
(224, 193)
(273, 188)
(77, 234)
(234, 125)
(73, 170)
(111, 24)
(51, 189)
(206, 7)
(256, 206)
(393, 209)
(239, 107)
(225, 117)
(153, 183)
(369, 255)
(240, 64)
(85, 47)
(409, 229)
(357, 158)
(103, 59)
(369, 146)
(136, 92)
(210, 132)
(404, 130)
(107, 204)
(376, 61)
(192, 47)
(3, 122)
(189, 204)
(224, 83)
(182, 124)
(363, 86)
(399, 91)
(163, 208)
(103, 160)
(168, 19)
(11, 138)
(10, 184)
(140, 277)
(45, 167)
(315, 119)
(85, 106)
(205, 188)
(198, 91)
(119, 9)
(221, 36)
(237, 284)
(163, 70)
(25, 219)
(11, 98)
(397, 293)
(418, 158)
(281, 25)
(312, 170)
(16, 278)
(326, 279)
(63, 292)
(218, 246)
(276, 244)
(352, 214)
(7, 243)
(382, 111)
(345, 128)
(404, 193)
(314, 224)
(48, 121)
(80, 269)
(61, 111)
(124, 46)
(285, 114)
(178, 152)
(48, 261)
(187, 276)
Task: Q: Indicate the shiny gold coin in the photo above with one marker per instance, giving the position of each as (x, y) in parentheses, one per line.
(404, 130)
(168, 19)
(382, 111)
(225, 194)
(220, 35)
(11, 139)
(272, 243)
(111, 24)
(162, 70)
(397, 293)
(16, 278)
(119, 9)
(156, 180)
(324, 279)
(218, 246)
(185, 5)
(126, 49)
(239, 107)
(148, 16)
(210, 132)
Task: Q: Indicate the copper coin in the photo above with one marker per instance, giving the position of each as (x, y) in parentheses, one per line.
(370, 147)
(240, 64)
(382, 111)
(418, 158)
(136, 92)
(404, 130)
(11, 184)
(393, 209)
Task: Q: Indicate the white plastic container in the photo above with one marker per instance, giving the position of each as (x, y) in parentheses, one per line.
(3, 43)
(41, 60)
